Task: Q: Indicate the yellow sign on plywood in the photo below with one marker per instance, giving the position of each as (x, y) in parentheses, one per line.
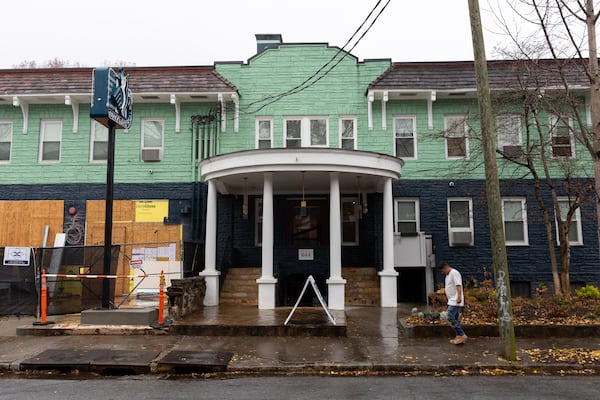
(151, 210)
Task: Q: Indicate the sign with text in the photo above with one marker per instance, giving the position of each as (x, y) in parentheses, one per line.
(111, 100)
(16, 256)
(306, 254)
(151, 210)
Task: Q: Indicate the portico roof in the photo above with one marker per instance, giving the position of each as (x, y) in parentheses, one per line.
(242, 171)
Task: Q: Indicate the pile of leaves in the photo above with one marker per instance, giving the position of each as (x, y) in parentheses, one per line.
(481, 308)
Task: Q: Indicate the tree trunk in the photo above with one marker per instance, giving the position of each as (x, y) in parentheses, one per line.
(594, 101)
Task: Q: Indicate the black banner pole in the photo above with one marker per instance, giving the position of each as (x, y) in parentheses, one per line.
(110, 171)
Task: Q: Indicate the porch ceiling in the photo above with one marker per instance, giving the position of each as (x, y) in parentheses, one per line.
(243, 171)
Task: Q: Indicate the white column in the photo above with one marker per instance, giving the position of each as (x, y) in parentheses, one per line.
(388, 277)
(267, 283)
(210, 273)
(335, 283)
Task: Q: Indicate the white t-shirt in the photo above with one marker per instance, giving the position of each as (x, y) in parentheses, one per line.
(454, 279)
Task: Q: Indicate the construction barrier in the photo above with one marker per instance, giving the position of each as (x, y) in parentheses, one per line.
(44, 292)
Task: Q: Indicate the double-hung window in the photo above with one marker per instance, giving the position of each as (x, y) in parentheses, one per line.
(50, 140)
(405, 140)
(514, 214)
(264, 133)
(152, 139)
(306, 132)
(6, 128)
(575, 229)
(460, 221)
(348, 133)
(99, 142)
(508, 128)
(457, 136)
(406, 216)
(561, 133)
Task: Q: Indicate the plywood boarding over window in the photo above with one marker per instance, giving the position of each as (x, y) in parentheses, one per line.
(24, 221)
(128, 233)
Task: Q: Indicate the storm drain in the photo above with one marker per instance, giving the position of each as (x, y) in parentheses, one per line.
(186, 362)
(103, 361)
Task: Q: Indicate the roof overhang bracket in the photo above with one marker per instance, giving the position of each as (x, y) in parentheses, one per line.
(175, 101)
(371, 98)
(384, 100)
(69, 101)
(432, 97)
(236, 116)
(18, 102)
(221, 100)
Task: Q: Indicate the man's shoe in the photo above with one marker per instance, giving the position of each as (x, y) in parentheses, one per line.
(460, 339)
(453, 340)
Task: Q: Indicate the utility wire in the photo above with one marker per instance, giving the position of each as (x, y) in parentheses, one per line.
(314, 78)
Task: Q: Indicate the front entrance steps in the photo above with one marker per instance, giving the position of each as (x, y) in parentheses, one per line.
(240, 286)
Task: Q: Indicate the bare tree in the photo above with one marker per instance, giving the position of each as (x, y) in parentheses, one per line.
(563, 31)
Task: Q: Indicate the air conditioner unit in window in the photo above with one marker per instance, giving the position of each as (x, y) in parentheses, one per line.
(461, 238)
(151, 155)
(512, 151)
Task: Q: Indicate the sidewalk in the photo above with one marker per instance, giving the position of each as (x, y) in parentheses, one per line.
(372, 346)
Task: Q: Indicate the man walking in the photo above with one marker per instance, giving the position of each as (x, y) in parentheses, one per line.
(456, 300)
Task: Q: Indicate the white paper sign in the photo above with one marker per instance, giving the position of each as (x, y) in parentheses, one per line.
(18, 256)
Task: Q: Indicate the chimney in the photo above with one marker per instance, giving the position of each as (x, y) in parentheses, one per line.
(267, 41)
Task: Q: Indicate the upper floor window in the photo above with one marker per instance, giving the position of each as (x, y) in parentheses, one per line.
(5, 140)
(561, 132)
(99, 142)
(152, 139)
(457, 136)
(348, 133)
(406, 216)
(460, 221)
(575, 230)
(508, 128)
(514, 213)
(405, 141)
(306, 132)
(50, 140)
(264, 133)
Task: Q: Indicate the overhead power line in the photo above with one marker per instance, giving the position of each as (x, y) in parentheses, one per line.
(325, 69)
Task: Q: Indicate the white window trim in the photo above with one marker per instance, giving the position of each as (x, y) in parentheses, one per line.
(341, 129)
(551, 125)
(92, 137)
(8, 122)
(502, 143)
(42, 135)
(162, 121)
(469, 229)
(467, 152)
(257, 127)
(417, 211)
(414, 122)
(525, 241)
(305, 130)
(577, 215)
(350, 199)
(257, 215)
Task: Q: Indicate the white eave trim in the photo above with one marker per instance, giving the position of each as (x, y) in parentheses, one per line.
(20, 102)
(175, 101)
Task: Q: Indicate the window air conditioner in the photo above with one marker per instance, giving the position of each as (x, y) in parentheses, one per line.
(461, 238)
(512, 151)
(151, 155)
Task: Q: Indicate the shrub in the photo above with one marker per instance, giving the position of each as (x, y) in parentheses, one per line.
(588, 292)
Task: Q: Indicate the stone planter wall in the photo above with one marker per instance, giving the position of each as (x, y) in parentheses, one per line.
(185, 296)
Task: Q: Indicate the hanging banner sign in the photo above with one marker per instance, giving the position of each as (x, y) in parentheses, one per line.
(112, 100)
(16, 256)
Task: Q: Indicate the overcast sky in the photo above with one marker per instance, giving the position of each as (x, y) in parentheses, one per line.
(187, 32)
